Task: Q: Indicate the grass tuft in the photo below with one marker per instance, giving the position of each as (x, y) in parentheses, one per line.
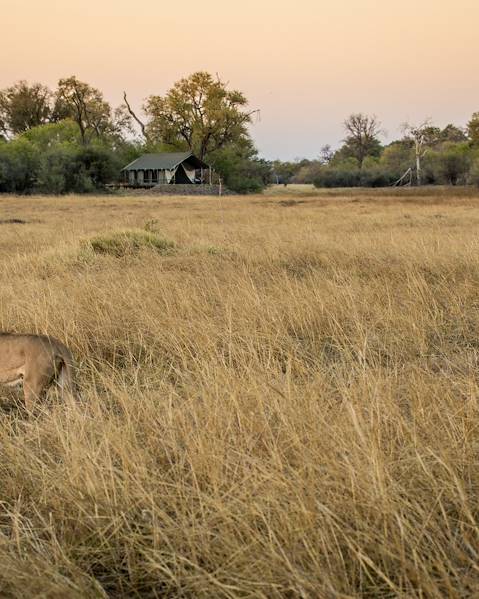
(128, 243)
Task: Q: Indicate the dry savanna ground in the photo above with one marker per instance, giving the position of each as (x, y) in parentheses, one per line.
(279, 396)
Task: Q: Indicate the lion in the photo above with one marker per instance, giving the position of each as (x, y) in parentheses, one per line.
(38, 361)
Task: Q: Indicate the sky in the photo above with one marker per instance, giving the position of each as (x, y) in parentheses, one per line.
(306, 65)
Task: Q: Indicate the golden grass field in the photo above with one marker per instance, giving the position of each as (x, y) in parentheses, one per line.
(283, 404)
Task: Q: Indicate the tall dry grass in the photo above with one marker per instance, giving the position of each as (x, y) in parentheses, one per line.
(286, 405)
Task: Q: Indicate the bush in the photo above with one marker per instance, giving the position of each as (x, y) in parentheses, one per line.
(473, 178)
(19, 166)
(51, 160)
(57, 171)
(374, 174)
(342, 174)
(241, 169)
(128, 243)
(453, 163)
(68, 169)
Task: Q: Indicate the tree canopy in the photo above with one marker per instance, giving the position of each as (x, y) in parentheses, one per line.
(362, 137)
(24, 106)
(198, 113)
(86, 106)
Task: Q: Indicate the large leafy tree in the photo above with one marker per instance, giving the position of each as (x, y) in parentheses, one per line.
(198, 113)
(86, 106)
(362, 132)
(24, 106)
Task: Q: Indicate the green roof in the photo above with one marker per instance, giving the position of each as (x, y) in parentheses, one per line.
(164, 161)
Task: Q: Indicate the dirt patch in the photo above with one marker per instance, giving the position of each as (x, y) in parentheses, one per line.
(287, 203)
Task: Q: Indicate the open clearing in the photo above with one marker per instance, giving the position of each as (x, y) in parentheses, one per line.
(279, 396)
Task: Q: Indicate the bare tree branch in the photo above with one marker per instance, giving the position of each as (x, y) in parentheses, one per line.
(133, 115)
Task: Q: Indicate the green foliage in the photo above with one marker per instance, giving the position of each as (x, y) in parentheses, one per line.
(240, 168)
(285, 172)
(23, 106)
(63, 133)
(452, 163)
(451, 133)
(473, 129)
(84, 105)
(362, 138)
(397, 157)
(84, 169)
(71, 140)
(474, 172)
(19, 163)
(199, 114)
(129, 243)
(56, 173)
(374, 174)
(345, 173)
(50, 159)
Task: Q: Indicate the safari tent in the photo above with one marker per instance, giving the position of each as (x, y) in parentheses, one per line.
(176, 168)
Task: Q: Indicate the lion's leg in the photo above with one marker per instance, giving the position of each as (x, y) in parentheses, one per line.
(34, 387)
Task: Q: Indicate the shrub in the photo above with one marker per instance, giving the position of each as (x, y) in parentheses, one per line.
(19, 166)
(241, 169)
(453, 163)
(342, 174)
(474, 173)
(374, 174)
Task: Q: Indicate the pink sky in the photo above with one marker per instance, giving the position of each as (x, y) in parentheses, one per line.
(305, 64)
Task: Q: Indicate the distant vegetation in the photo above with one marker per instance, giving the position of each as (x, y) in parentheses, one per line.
(71, 140)
(424, 155)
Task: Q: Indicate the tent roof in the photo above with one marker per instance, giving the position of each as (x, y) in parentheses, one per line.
(164, 161)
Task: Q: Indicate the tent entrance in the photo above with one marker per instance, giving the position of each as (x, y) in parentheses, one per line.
(180, 177)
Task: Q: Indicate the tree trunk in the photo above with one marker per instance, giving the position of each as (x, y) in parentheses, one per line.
(418, 166)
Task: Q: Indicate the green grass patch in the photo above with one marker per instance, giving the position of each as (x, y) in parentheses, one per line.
(128, 243)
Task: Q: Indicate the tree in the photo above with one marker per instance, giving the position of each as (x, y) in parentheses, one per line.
(362, 137)
(24, 106)
(240, 168)
(423, 136)
(326, 154)
(62, 133)
(398, 157)
(451, 133)
(86, 106)
(452, 163)
(473, 128)
(283, 172)
(199, 114)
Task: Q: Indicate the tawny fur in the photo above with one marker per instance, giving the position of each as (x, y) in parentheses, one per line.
(38, 361)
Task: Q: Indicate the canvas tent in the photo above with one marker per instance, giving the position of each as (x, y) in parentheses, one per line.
(180, 168)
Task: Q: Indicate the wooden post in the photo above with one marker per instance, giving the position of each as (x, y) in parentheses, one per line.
(221, 187)
(210, 175)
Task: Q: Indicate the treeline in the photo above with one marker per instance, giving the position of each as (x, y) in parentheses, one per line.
(72, 140)
(425, 154)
